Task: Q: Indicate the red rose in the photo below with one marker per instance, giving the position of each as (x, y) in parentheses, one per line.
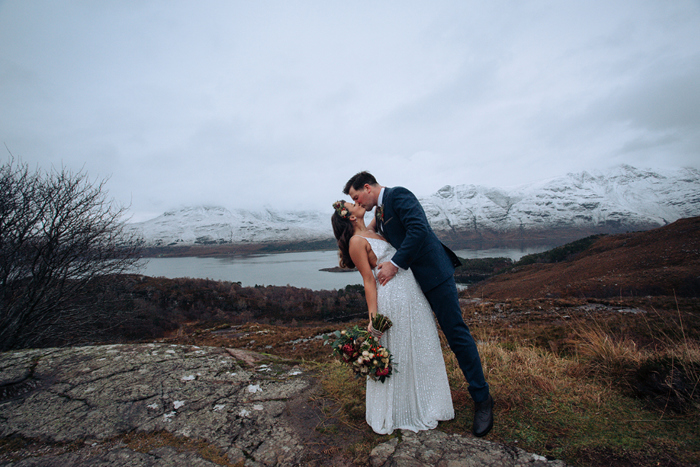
(383, 372)
(347, 348)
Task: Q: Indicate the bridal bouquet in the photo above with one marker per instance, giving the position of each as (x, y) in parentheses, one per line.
(360, 351)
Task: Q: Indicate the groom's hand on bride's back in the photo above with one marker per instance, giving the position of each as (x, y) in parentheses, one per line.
(386, 272)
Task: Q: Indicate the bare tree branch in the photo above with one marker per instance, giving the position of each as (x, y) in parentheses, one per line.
(58, 234)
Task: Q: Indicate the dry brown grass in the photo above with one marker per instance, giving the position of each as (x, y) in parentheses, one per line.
(606, 354)
(147, 442)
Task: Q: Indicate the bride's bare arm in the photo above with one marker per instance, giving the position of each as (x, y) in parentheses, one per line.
(359, 252)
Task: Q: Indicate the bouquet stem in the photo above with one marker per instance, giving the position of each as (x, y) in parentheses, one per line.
(380, 324)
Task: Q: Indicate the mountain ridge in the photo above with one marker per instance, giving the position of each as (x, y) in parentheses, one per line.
(551, 211)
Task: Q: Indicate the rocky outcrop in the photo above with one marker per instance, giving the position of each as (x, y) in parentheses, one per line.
(94, 394)
(171, 405)
(435, 448)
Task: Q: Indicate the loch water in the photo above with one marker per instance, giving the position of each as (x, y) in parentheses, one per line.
(301, 269)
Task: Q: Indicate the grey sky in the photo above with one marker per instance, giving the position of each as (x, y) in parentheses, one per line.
(246, 104)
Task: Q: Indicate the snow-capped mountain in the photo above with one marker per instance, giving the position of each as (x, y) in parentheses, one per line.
(217, 225)
(624, 199)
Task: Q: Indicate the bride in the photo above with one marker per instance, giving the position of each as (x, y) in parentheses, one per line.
(417, 395)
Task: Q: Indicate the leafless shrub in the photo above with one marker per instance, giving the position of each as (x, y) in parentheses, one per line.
(58, 234)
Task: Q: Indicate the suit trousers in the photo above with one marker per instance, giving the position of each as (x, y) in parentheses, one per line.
(444, 301)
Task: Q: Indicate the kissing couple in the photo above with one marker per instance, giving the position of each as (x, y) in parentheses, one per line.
(408, 276)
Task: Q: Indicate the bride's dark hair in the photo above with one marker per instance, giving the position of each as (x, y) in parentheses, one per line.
(343, 231)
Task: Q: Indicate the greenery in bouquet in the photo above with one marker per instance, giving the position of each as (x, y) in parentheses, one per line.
(357, 348)
(380, 324)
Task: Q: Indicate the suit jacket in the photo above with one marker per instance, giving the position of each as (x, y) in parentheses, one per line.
(405, 225)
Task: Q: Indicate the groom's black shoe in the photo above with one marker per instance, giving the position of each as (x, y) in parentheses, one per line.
(483, 417)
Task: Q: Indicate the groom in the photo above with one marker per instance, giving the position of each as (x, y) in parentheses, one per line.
(402, 221)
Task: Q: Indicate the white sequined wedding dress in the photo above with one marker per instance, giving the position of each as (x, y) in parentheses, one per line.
(417, 394)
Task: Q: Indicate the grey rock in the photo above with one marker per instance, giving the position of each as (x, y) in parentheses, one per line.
(436, 448)
(102, 392)
(161, 457)
(382, 452)
(190, 406)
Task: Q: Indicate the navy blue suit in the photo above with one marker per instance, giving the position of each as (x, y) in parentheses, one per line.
(404, 224)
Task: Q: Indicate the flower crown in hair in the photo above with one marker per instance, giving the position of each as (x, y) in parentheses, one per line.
(340, 208)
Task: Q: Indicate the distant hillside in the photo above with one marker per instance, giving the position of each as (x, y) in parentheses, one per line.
(566, 208)
(551, 212)
(215, 226)
(662, 261)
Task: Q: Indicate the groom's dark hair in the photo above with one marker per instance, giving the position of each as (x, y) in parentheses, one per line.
(359, 180)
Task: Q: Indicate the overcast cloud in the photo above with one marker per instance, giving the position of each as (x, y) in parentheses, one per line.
(277, 103)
